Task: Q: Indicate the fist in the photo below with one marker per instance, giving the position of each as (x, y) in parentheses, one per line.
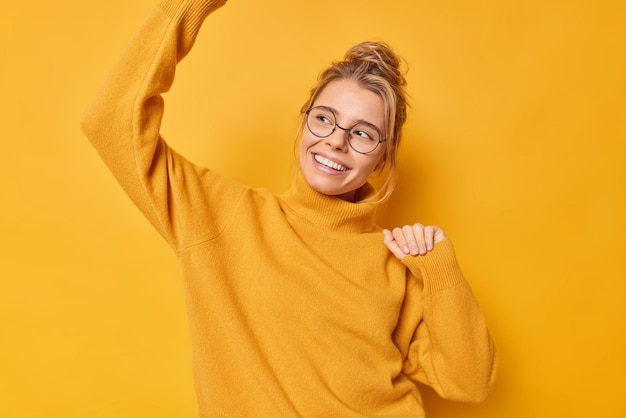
(414, 239)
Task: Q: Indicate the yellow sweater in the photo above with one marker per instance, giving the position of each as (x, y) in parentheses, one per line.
(296, 306)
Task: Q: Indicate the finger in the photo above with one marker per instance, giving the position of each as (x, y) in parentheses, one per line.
(411, 239)
(399, 237)
(418, 232)
(439, 235)
(391, 243)
(429, 237)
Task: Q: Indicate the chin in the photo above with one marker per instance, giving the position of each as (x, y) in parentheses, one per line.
(345, 193)
(328, 185)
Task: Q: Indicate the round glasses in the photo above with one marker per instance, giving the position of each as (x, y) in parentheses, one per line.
(362, 137)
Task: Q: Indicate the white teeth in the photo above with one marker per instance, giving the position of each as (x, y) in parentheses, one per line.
(328, 163)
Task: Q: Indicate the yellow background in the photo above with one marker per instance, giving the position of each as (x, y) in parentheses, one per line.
(515, 146)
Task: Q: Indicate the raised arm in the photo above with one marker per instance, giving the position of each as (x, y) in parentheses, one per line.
(124, 120)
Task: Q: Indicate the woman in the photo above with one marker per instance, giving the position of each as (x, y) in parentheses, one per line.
(299, 305)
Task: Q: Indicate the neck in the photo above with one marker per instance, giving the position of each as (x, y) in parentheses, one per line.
(332, 212)
(349, 197)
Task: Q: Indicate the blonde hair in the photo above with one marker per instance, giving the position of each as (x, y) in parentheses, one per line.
(376, 67)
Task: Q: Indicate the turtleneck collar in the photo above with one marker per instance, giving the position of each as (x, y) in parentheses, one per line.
(330, 212)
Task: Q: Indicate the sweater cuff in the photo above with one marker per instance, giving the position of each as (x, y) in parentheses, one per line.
(438, 269)
(191, 13)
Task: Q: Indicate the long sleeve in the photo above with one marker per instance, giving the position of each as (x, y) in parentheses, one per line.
(124, 119)
(442, 330)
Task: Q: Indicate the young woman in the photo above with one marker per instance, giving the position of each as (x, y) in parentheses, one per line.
(299, 305)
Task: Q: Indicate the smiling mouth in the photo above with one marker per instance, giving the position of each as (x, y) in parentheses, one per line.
(330, 164)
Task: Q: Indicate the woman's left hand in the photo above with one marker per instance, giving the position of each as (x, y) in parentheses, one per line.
(414, 239)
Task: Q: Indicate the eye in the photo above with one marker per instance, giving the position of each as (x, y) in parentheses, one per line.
(322, 118)
(363, 133)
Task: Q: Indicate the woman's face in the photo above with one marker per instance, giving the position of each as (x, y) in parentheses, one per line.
(329, 164)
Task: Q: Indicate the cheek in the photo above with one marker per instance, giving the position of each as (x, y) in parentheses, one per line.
(302, 147)
(365, 166)
(306, 142)
(380, 161)
(371, 164)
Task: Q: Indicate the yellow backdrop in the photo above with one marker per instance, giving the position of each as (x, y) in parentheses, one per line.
(515, 146)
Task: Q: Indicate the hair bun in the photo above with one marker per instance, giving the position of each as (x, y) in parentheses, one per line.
(377, 55)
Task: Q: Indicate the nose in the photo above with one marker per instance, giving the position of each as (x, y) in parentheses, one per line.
(339, 138)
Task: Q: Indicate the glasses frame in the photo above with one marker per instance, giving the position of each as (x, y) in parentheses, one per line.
(348, 130)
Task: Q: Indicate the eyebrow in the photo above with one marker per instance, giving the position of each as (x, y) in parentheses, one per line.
(336, 112)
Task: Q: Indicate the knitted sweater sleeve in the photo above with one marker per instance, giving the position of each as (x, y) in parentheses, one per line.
(442, 331)
(123, 123)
